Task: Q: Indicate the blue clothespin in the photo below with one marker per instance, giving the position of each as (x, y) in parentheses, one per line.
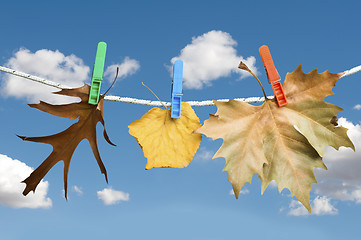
(177, 89)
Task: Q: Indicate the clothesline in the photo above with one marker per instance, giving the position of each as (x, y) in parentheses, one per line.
(148, 102)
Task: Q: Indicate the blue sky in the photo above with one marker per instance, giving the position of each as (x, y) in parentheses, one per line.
(58, 41)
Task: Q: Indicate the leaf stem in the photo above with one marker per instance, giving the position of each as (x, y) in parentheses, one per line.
(116, 76)
(243, 66)
(154, 95)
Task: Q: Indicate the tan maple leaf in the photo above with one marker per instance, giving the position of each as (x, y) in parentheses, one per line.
(282, 144)
(65, 143)
(165, 141)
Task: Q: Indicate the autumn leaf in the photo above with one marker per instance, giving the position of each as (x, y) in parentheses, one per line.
(65, 143)
(282, 144)
(165, 141)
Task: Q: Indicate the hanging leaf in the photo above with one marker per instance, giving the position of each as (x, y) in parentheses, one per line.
(165, 141)
(282, 144)
(65, 143)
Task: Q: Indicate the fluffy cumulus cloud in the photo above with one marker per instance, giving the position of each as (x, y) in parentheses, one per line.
(126, 68)
(12, 172)
(357, 107)
(51, 65)
(209, 57)
(204, 154)
(320, 206)
(78, 190)
(110, 196)
(243, 191)
(342, 180)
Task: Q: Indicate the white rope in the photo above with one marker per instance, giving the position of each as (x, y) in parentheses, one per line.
(33, 78)
(192, 103)
(148, 102)
(351, 71)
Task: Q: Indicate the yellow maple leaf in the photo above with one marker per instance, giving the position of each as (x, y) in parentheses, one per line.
(165, 141)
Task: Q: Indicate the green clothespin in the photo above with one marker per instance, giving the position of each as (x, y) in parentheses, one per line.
(97, 76)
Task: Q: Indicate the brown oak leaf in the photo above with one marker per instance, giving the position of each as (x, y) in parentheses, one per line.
(65, 143)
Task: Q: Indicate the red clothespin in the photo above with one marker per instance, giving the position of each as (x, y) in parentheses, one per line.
(273, 76)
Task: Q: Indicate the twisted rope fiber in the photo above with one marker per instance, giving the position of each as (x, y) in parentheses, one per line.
(148, 102)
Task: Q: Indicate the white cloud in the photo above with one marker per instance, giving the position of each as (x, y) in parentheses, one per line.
(209, 57)
(204, 154)
(320, 206)
(342, 180)
(51, 65)
(273, 184)
(110, 196)
(127, 67)
(12, 173)
(357, 107)
(340, 191)
(243, 191)
(297, 209)
(78, 190)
